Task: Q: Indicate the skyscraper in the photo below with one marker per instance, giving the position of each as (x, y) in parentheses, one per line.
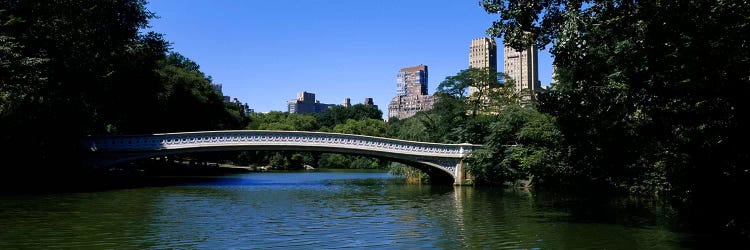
(412, 81)
(411, 93)
(482, 54)
(523, 68)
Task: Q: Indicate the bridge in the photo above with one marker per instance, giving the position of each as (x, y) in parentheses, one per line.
(442, 162)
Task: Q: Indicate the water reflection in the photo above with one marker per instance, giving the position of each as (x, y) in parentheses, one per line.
(323, 210)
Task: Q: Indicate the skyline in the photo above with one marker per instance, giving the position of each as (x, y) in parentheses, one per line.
(264, 53)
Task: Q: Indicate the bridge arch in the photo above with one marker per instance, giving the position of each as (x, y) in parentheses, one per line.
(441, 161)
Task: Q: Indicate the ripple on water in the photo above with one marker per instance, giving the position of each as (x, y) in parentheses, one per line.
(305, 211)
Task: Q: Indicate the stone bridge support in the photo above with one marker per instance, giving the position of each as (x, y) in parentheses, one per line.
(461, 174)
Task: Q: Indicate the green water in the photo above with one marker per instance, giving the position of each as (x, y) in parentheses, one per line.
(324, 210)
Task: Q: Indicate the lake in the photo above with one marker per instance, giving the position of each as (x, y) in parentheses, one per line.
(328, 209)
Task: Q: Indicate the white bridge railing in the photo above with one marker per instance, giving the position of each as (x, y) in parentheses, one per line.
(239, 138)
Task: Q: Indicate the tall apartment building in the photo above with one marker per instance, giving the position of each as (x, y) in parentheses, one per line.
(482, 54)
(306, 104)
(411, 93)
(412, 81)
(523, 68)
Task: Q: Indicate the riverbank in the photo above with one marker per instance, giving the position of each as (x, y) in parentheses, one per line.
(152, 173)
(131, 175)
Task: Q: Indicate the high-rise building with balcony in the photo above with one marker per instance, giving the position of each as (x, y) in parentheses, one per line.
(411, 93)
(482, 54)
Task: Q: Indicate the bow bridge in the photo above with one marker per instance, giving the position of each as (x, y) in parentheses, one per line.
(443, 162)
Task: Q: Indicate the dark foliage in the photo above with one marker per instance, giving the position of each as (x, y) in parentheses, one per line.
(340, 114)
(651, 96)
(74, 68)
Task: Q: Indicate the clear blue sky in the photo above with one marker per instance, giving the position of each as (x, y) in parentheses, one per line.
(264, 52)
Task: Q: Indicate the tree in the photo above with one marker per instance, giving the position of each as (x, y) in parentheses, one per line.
(334, 161)
(60, 62)
(651, 95)
(490, 93)
(522, 144)
(190, 101)
(340, 114)
(73, 68)
(279, 160)
(407, 129)
(276, 120)
(365, 126)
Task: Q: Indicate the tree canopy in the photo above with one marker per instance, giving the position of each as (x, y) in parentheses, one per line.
(73, 68)
(650, 96)
(340, 114)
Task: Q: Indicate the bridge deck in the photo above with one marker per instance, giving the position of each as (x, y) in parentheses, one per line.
(446, 157)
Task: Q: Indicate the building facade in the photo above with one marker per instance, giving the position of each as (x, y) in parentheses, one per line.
(306, 104)
(412, 81)
(411, 93)
(523, 68)
(482, 54)
(370, 102)
(403, 107)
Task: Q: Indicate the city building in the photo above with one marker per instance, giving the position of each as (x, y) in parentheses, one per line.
(306, 104)
(411, 93)
(217, 88)
(346, 103)
(412, 81)
(244, 108)
(370, 102)
(482, 54)
(523, 68)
